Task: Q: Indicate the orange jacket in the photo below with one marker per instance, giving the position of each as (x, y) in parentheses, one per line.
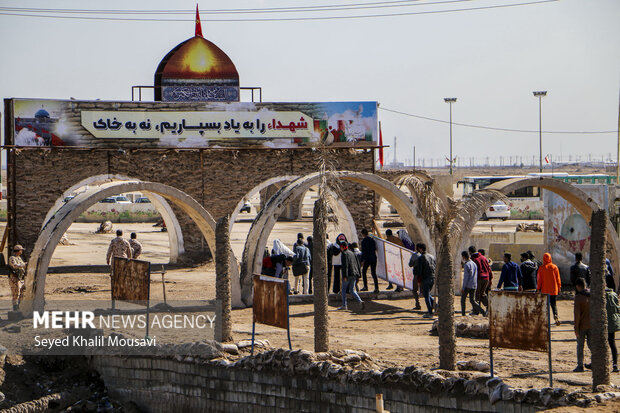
(549, 277)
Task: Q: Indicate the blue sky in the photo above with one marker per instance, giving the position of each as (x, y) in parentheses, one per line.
(491, 60)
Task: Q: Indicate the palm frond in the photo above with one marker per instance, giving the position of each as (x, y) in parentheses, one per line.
(431, 208)
(329, 182)
(470, 209)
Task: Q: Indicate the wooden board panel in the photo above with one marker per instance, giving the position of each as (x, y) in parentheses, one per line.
(270, 304)
(130, 279)
(518, 320)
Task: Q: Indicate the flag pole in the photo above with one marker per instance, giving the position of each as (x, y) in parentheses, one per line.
(380, 146)
(198, 30)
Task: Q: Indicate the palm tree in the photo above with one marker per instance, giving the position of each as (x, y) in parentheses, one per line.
(222, 276)
(445, 288)
(447, 220)
(439, 214)
(322, 214)
(598, 310)
(319, 280)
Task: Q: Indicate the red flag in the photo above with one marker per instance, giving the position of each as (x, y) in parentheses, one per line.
(380, 146)
(547, 158)
(198, 26)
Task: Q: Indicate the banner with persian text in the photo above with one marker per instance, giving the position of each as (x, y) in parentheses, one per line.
(191, 125)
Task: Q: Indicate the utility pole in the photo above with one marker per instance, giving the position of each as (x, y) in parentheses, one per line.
(540, 95)
(450, 101)
(394, 151)
(618, 154)
(414, 157)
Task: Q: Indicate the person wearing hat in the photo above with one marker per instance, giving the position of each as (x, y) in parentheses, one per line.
(17, 273)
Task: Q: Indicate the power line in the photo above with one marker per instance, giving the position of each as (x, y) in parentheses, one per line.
(363, 16)
(491, 127)
(295, 9)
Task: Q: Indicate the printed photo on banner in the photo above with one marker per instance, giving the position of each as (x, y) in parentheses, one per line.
(394, 264)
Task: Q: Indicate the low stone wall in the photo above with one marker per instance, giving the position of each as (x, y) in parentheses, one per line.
(301, 381)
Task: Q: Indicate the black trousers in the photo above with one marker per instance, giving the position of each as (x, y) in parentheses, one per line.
(612, 345)
(329, 275)
(373, 272)
(554, 307)
(336, 288)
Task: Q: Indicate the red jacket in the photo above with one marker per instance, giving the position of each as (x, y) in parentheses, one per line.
(549, 277)
(484, 270)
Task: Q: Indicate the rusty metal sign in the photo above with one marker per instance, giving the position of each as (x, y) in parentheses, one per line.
(518, 320)
(130, 279)
(270, 304)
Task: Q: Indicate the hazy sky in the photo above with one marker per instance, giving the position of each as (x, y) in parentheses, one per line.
(490, 59)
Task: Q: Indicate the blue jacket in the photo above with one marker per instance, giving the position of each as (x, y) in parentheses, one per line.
(302, 255)
(511, 276)
(470, 275)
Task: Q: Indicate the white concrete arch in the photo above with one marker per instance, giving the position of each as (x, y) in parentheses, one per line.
(575, 196)
(53, 230)
(175, 234)
(266, 219)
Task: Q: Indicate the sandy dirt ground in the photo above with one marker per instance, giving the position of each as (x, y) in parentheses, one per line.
(389, 330)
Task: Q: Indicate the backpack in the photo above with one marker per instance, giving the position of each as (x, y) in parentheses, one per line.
(613, 311)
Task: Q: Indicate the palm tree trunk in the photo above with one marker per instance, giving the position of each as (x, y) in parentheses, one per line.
(319, 279)
(445, 281)
(222, 277)
(598, 311)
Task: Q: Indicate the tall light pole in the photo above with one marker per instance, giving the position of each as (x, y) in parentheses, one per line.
(450, 101)
(540, 95)
(394, 152)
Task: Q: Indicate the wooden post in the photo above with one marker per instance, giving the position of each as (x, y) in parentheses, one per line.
(319, 279)
(222, 276)
(163, 283)
(598, 310)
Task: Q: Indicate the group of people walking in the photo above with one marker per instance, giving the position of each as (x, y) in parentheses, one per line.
(283, 260)
(530, 276)
(347, 264)
(120, 247)
(534, 276)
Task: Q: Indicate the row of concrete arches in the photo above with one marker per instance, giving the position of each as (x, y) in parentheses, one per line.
(64, 214)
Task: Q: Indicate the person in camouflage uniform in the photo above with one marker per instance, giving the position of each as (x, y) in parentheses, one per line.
(119, 247)
(136, 247)
(17, 274)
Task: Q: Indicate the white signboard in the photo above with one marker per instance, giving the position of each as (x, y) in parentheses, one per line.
(264, 124)
(393, 263)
